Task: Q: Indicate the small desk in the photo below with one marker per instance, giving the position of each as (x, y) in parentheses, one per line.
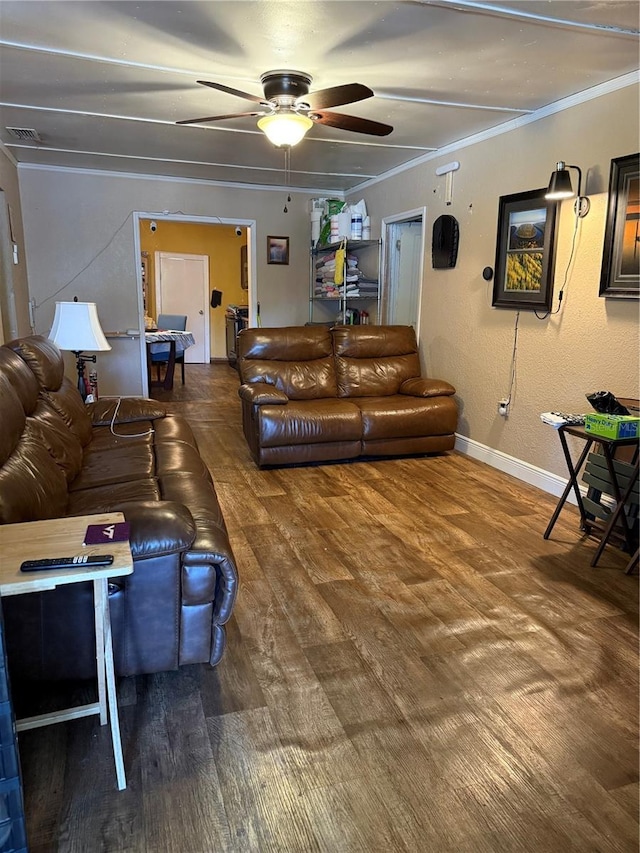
(173, 338)
(609, 447)
(62, 538)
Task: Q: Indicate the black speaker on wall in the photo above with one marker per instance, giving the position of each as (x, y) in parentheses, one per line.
(444, 246)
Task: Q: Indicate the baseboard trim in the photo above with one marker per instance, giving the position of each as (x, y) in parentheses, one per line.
(545, 480)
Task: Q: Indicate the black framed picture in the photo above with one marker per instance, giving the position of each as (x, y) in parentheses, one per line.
(525, 251)
(277, 250)
(620, 276)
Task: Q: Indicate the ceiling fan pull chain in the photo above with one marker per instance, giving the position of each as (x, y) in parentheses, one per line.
(287, 173)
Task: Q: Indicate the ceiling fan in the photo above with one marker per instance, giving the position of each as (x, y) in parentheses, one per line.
(290, 110)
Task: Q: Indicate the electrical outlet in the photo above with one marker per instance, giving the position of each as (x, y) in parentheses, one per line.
(503, 408)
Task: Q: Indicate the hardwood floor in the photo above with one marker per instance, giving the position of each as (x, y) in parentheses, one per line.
(410, 667)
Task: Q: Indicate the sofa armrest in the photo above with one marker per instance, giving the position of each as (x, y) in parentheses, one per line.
(158, 528)
(421, 387)
(262, 393)
(127, 409)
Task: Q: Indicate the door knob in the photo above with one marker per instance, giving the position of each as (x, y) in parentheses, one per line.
(200, 312)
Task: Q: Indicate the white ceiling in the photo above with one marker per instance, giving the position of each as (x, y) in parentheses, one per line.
(103, 83)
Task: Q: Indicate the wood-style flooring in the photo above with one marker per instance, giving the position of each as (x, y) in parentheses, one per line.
(410, 667)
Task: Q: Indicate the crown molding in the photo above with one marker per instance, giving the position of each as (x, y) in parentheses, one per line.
(136, 176)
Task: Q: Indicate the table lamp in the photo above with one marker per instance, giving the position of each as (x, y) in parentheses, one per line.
(76, 328)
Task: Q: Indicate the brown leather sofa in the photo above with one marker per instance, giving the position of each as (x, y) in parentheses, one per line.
(60, 457)
(313, 394)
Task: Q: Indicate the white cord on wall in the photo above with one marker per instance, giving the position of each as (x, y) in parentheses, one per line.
(514, 354)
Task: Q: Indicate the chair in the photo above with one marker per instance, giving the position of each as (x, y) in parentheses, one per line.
(160, 356)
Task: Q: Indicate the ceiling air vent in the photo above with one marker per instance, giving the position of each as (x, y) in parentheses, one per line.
(24, 134)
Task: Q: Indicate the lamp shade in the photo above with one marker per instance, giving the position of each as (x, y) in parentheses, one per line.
(560, 184)
(76, 327)
(285, 128)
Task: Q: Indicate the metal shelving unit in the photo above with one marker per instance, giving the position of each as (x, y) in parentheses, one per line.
(338, 307)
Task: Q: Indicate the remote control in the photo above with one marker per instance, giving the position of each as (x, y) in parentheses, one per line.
(66, 562)
(559, 419)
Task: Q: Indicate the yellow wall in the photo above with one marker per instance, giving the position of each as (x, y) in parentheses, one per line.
(221, 245)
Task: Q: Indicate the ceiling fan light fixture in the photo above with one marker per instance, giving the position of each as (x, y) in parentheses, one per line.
(285, 129)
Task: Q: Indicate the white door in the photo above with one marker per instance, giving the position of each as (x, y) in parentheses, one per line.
(182, 287)
(405, 272)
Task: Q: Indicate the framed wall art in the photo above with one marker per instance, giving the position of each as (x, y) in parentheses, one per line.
(525, 251)
(620, 276)
(277, 250)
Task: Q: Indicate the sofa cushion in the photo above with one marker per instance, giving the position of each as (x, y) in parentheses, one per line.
(44, 359)
(13, 419)
(20, 377)
(109, 498)
(32, 486)
(123, 435)
(125, 410)
(374, 361)
(308, 422)
(62, 444)
(106, 467)
(400, 416)
(68, 403)
(297, 360)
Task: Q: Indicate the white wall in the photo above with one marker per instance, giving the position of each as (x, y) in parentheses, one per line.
(592, 344)
(75, 219)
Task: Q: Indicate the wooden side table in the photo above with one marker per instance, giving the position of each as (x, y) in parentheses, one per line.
(609, 447)
(62, 537)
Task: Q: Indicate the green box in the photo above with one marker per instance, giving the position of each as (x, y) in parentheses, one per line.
(612, 426)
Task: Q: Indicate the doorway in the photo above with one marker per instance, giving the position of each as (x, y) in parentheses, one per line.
(403, 264)
(199, 235)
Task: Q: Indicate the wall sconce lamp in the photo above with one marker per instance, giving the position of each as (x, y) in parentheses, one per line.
(76, 328)
(560, 187)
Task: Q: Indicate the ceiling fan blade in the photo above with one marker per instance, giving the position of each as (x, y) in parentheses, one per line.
(230, 91)
(336, 96)
(217, 118)
(354, 123)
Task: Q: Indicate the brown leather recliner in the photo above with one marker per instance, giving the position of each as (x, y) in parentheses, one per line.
(60, 457)
(312, 394)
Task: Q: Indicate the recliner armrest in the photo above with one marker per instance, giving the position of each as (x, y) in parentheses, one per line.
(262, 393)
(422, 387)
(130, 410)
(157, 527)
